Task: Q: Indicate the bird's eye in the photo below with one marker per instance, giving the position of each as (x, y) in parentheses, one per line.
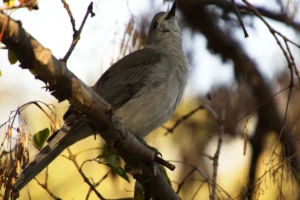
(155, 25)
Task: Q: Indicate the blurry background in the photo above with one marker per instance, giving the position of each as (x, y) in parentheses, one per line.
(234, 77)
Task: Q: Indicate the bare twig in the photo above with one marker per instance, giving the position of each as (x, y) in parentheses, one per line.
(45, 185)
(182, 119)
(67, 7)
(187, 116)
(97, 184)
(261, 105)
(196, 168)
(184, 180)
(216, 159)
(76, 36)
(271, 29)
(236, 10)
(200, 186)
(227, 6)
(72, 157)
(293, 67)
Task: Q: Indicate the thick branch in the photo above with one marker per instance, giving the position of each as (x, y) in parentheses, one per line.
(65, 85)
(227, 6)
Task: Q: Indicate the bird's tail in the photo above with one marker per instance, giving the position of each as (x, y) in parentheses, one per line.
(57, 143)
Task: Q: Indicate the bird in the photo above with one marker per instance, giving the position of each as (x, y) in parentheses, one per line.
(144, 88)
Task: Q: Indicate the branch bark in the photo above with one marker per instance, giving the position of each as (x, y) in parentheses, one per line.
(227, 6)
(65, 85)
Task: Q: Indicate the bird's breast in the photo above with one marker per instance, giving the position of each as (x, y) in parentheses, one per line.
(152, 106)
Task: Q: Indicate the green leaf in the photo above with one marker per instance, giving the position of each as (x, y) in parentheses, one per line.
(12, 57)
(106, 152)
(40, 138)
(0, 73)
(119, 170)
(138, 191)
(113, 161)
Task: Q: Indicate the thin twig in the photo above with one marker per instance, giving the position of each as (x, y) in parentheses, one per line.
(259, 106)
(183, 118)
(193, 166)
(245, 10)
(44, 186)
(200, 186)
(67, 7)
(271, 29)
(236, 10)
(184, 180)
(293, 64)
(216, 159)
(97, 184)
(187, 116)
(72, 157)
(76, 36)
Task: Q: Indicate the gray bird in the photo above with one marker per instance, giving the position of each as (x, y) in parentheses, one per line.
(144, 88)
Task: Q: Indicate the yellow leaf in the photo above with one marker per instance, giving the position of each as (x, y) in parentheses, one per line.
(8, 3)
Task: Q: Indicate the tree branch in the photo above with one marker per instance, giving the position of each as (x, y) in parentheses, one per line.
(227, 6)
(65, 85)
(76, 33)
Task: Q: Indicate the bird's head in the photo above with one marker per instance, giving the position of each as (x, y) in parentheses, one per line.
(164, 27)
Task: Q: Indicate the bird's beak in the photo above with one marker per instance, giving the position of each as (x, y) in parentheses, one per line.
(171, 13)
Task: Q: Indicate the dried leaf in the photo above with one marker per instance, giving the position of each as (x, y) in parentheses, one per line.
(143, 39)
(135, 37)
(129, 27)
(18, 167)
(9, 131)
(25, 158)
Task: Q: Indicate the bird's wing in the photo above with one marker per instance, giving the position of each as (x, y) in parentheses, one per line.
(126, 77)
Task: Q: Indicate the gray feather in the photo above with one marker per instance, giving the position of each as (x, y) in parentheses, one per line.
(126, 77)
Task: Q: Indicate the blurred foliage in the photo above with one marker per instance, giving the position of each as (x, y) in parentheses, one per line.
(9, 2)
